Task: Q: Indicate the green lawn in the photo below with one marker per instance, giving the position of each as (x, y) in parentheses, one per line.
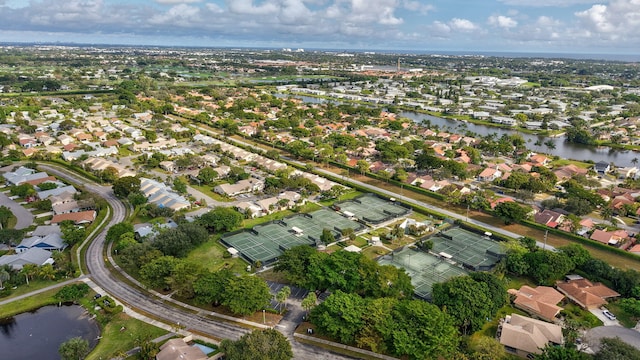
(27, 304)
(306, 208)
(582, 317)
(373, 252)
(115, 342)
(563, 162)
(33, 285)
(347, 196)
(208, 190)
(626, 319)
(209, 255)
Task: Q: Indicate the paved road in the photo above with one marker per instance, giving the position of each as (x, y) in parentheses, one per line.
(139, 299)
(24, 216)
(407, 199)
(630, 336)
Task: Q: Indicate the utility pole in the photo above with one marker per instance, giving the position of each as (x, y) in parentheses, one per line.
(546, 232)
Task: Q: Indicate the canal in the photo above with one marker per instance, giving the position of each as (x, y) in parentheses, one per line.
(563, 149)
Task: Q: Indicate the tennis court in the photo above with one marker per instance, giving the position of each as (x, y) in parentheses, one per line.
(372, 209)
(266, 242)
(423, 268)
(473, 251)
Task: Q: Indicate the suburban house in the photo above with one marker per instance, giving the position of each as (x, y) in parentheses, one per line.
(249, 209)
(78, 218)
(540, 302)
(614, 238)
(523, 336)
(23, 175)
(602, 167)
(549, 218)
(489, 174)
(161, 195)
(35, 256)
(56, 192)
(241, 187)
(583, 292)
(51, 241)
(564, 173)
(175, 349)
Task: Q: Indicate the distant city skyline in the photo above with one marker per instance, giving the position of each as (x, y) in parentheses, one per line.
(536, 26)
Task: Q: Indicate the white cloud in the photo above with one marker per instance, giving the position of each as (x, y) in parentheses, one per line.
(171, 2)
(548, 3)
(463, 25)
(502, 21)
(246, 7)
(180, 15)
(417, 6)
(619, 19)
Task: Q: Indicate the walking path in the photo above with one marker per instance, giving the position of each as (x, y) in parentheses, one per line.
(39, 291)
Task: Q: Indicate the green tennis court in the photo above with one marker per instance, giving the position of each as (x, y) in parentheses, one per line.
(473, 251)
(266, 242)
(372, 209)
(423, 268)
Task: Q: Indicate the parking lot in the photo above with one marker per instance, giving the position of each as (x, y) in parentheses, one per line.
(297, 293)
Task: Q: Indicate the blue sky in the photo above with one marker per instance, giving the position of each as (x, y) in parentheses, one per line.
(565, 26)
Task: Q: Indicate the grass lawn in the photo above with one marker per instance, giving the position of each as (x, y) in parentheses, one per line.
(582, 317)
(271, 275)
(626, 319)
(373, 252)
(33, 285)
(27, 304)
(115, 342)
(516, 282)
(12, 221)
(563, 162)
(209, 255)
(308, 207)
(208, 190)
(347, 196)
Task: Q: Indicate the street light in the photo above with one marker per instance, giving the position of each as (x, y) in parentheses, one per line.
(264, 317)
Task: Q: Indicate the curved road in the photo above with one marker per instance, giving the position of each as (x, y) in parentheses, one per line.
(137, 299)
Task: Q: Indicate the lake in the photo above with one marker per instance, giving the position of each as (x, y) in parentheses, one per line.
(38, 334)
(562, 149)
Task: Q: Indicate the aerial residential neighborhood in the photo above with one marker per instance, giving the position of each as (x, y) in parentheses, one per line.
(428, 207)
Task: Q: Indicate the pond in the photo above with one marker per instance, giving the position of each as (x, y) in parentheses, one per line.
(38, 334)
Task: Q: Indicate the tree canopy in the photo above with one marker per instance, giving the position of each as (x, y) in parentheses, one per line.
(470, 300)
(267, 344)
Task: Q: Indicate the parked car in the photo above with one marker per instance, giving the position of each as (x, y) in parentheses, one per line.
(608, 314)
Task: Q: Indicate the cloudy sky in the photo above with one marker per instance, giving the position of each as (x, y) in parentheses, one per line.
(568, 26)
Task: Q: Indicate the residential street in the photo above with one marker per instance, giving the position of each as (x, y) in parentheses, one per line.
(24, 216)
(133, 298)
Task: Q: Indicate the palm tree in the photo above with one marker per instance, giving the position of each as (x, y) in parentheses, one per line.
(634, 161)
(4, 276)
(282, 295)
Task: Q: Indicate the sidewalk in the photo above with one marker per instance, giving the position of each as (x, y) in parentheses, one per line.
(39, 291)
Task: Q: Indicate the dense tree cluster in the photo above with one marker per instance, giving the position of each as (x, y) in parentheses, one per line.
(268, 344)
(411, 328)
(471, 300)
(349, 272)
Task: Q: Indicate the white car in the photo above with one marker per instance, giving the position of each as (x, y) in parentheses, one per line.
(608, 314)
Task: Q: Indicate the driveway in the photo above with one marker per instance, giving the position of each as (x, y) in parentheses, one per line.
(25, 218)
(629, 336)
(605, 321)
